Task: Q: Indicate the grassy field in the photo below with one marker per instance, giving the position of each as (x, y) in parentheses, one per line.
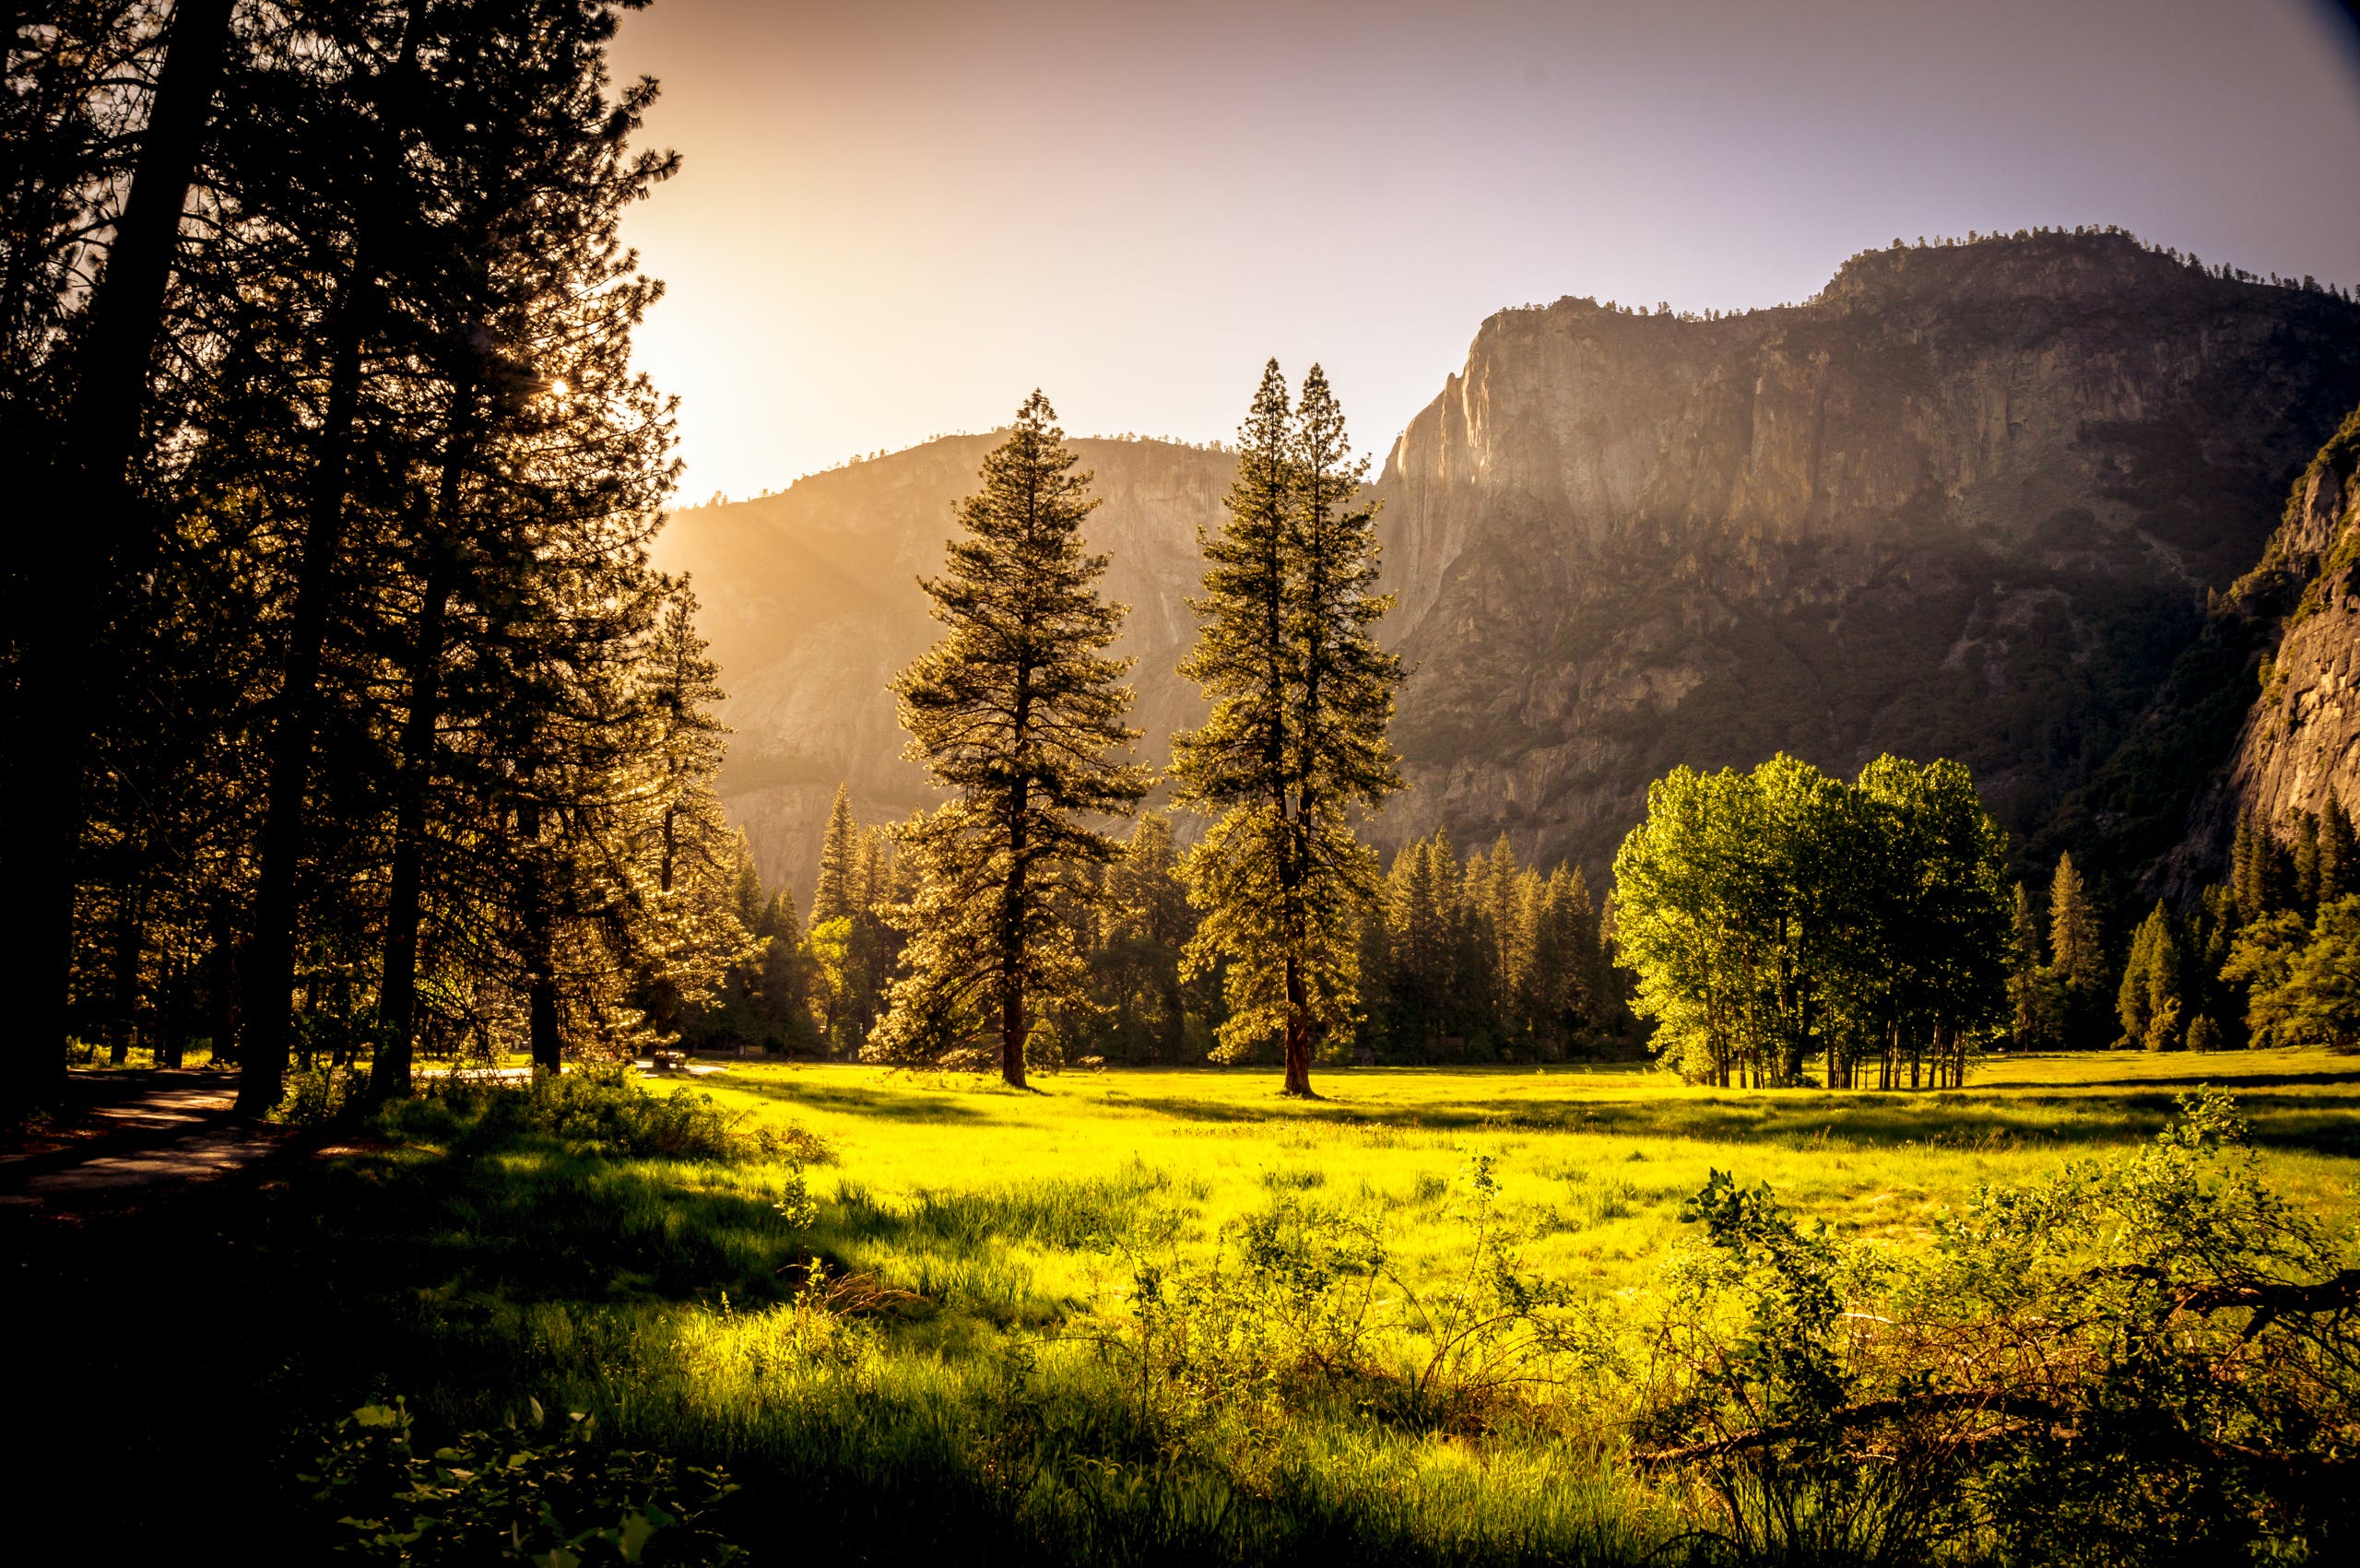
(1595, 1163)
(973, 1383)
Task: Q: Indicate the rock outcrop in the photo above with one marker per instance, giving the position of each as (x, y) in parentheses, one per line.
(1969, 501)
(2301, 741)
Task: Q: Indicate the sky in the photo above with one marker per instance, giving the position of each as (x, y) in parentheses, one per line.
(895, 218)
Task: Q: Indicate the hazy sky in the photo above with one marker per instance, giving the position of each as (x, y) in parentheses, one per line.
(898, 215)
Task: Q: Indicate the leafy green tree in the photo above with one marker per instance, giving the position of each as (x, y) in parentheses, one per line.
(1017, 712)
(1300, 695)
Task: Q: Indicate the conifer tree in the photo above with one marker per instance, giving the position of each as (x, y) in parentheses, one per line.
(833, 897)
(2026, 991)
(2148, 1000)
(1302, 695)
(1019, 712)
(2338, 866)
(2306, 861)
(2076, 960)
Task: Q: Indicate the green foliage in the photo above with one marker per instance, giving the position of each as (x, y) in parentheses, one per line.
(2150, 1000)
(1780, 915)
(2302, 981)
(2144, 1359)
(530, 1491)
(1484, 961)
(1018, 713)
(605, 1112)
(1300, 695)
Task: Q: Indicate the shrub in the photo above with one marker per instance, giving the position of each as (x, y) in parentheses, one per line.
(2146, 1359)
(604, 1111)
(532, 1491)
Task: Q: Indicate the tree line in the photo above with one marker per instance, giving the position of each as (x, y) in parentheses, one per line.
(1784, 928)
(1011, 924)
(348, 719)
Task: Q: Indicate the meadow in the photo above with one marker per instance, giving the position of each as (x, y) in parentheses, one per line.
(930, 1316)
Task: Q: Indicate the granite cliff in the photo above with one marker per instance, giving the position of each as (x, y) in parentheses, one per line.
(2300, 742)
(1970, 501)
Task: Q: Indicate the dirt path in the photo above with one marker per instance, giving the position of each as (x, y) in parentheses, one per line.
(130, 1130)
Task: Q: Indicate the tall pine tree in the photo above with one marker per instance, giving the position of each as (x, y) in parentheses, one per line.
(1019, 712)
(1302, 695)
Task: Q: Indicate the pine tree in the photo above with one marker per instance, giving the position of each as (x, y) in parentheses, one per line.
(2339, 868)
(1019, 712)
(2026, 991)
(2150, 1000)
(1145, 932)
(1301, 696)
(2306, 862)
(2077, 960)
(834, 897)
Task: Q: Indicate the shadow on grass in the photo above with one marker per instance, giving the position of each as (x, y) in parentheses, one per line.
(894, 1105)
(2293, 1122)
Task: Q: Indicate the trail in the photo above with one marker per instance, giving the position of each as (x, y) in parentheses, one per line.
(135, 1131)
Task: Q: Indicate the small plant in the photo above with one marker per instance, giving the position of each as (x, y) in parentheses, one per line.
(320, 1094)
(530, 1491)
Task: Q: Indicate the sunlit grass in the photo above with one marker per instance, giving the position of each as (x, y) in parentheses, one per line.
(963, 1409)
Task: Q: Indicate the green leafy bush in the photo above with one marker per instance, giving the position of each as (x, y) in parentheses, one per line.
(534, 1491)
(2146, 1359)
(605, 1110)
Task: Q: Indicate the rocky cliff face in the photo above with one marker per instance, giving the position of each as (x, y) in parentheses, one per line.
(811, 603)
(2301, 741)
(1969, 501)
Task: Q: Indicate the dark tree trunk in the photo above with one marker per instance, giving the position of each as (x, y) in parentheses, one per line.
(57, 622)
(287, 801)
(389, 1074)
(1011, 954)
(1298, 1033)
(270, 966)
(130, 939)
(540, 949)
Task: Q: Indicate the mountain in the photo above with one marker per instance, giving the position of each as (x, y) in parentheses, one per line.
(1971, 500)
(2301, 738)
(811, 603)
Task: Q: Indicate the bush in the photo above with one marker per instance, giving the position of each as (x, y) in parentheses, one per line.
(2147, 1359)
(534, 1491)
(604, 1111)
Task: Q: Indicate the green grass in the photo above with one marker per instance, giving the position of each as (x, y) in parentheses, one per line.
(966, 1411)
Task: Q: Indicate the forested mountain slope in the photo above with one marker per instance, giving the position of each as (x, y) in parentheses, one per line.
(1969, 502)
(811, 603)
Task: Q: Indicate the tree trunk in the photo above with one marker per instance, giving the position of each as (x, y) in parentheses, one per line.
(129, 939)
(1011, 936)
(1298, 1036)
(57, 622)
(270, 968)
(389, 1074)
(541, 951)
